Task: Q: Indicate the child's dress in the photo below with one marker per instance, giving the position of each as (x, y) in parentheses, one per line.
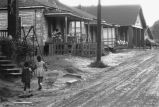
(40, 69)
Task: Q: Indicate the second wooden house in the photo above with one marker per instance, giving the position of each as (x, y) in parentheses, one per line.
(130, 22)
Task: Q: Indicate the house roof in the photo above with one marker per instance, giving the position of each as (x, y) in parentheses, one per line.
(124, 15)
(51, 4)
(25, 3)
(73, 10)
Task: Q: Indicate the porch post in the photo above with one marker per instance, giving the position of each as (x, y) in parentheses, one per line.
(128, 36)
(93, 34)
(81, 27)
(116, 34)
(136, 37)
(65, 38)
(80, 30)
(140, 38)
(112, 36)
(119, 34)
(88, 31)
(75, 32)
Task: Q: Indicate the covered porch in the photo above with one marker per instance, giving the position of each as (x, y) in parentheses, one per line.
(75, 34)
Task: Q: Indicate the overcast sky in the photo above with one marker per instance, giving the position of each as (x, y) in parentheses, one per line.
(150, 7)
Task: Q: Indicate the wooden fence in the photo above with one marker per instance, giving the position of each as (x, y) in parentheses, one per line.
(77, 49)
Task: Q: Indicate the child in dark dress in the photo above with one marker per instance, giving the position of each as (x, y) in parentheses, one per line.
(26, 76)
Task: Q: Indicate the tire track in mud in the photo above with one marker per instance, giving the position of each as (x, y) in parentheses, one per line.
(106, 85)
(142, 88)
(114, 93)
(115, 72)
(130, 90)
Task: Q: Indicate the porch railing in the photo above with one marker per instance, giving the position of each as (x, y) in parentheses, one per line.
(77, 49)
(3, 33)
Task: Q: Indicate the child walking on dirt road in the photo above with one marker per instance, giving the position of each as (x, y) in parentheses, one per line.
(40, 69)
(26, 76)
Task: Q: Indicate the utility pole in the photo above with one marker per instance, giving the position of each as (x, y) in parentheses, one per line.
(98, 32)
(98, 63)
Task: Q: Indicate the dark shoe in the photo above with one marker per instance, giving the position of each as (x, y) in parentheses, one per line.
(39, 88)
(29, 91)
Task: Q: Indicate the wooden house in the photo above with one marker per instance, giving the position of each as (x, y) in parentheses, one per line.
(46, 16)
(130, 21)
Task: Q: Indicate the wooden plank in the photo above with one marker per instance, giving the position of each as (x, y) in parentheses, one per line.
(22, 102)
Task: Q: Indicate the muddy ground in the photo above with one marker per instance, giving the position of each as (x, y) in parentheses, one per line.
(130, 80)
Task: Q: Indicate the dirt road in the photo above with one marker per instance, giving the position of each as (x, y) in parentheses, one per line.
(134, 83)
(132, 80)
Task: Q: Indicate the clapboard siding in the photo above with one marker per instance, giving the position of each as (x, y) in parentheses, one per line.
(29, 17)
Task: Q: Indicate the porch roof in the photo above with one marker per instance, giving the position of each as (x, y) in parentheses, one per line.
(64, 13)
(62, 10)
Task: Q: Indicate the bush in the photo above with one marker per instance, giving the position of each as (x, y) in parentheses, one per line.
(7, 47)
(23, 50)
(15, 49)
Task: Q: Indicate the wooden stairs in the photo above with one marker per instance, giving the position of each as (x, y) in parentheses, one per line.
(8, 68)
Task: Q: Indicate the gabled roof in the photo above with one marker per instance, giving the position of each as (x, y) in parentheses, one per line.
(124, 15)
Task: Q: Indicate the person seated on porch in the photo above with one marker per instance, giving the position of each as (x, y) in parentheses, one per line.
(57, 34)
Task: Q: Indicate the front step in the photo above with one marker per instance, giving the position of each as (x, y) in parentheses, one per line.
(11, 70)
(14, 74)
(5, 66)
(2, 57)
(5, 61)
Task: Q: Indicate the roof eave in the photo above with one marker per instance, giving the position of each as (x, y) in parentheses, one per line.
(28, 7)
(50, 14)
